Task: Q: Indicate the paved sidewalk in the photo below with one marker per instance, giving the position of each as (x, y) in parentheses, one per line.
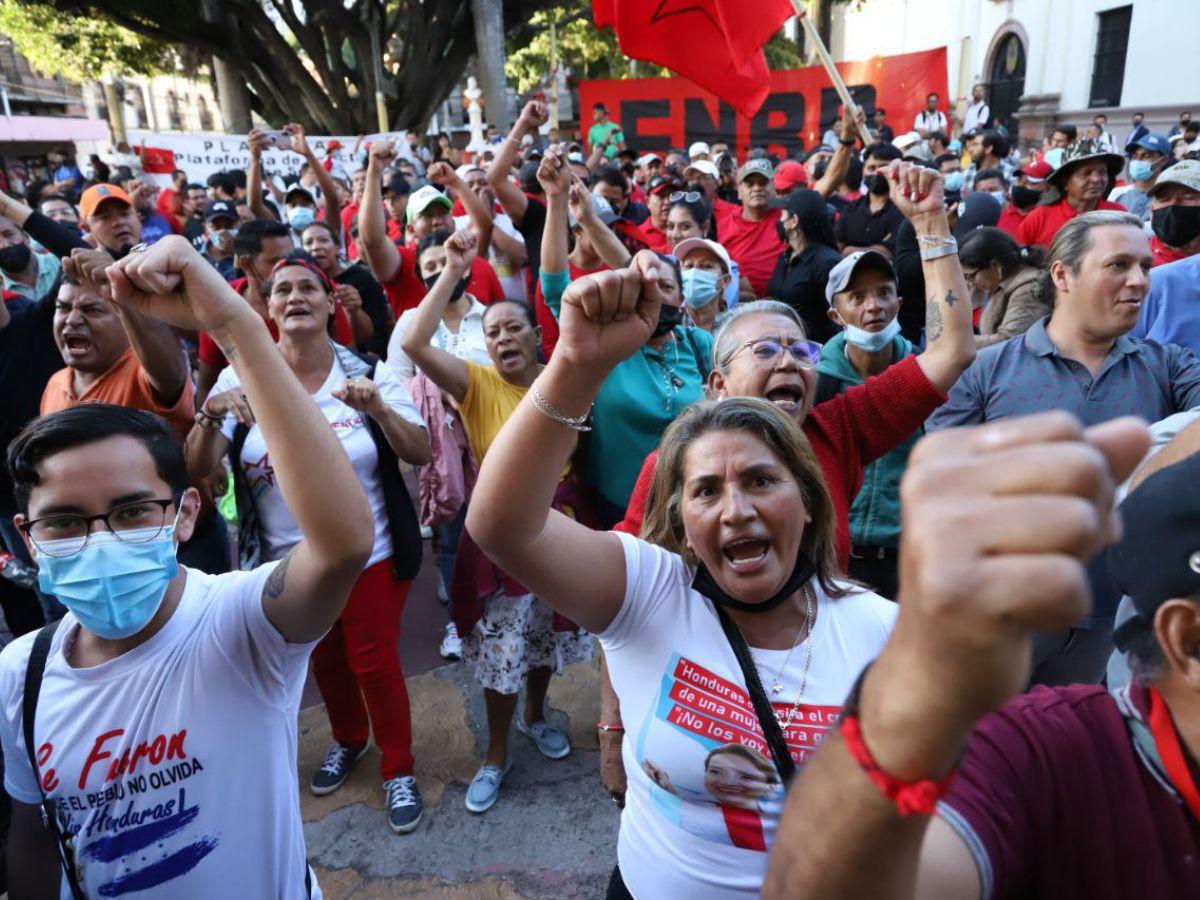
(552, 833)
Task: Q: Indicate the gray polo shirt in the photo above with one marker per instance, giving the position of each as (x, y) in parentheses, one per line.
(1026, 374)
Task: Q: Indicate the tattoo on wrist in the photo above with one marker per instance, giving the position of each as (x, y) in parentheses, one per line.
(230, 352)
(950, 298)
(933, 320)
(276, 581)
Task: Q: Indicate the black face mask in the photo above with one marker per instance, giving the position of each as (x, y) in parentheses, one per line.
(1024, 196)
(1175, 226)
(668, 317)
(459, 290)
(819, 170)
(14, 259)
(877, 184)
(707, 586)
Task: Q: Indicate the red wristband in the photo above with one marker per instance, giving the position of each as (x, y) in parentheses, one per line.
(615, 726)
(909, 797)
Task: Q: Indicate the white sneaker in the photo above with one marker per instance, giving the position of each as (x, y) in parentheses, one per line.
(451, 644)
(426, 532)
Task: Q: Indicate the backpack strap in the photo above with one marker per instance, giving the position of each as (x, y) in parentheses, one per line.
(36, 668)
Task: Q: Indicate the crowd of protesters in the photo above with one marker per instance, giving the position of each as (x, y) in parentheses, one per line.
(818, 456)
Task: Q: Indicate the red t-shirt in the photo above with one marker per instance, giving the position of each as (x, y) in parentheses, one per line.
(1043, 222)
(1010, 220)
(1163, 254)
(652, 237)
(754, 246)
(405, 290)
(208, 352)
(847, 432)
(1053, 800)
(349, 211)
(546, 318)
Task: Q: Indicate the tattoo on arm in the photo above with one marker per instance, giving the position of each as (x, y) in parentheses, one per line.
(276, 580)
(230, 352)
(950, 298)
(933, 319)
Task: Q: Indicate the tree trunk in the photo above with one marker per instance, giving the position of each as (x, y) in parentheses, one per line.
(232, 96)
(489, 47)
(116, 113)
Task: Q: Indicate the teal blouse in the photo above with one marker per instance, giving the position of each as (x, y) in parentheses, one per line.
(638, 400)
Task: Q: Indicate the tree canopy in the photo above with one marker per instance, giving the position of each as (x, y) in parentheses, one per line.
(312, 61)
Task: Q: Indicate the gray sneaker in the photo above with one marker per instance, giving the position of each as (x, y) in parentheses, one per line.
(338, 762)
(550, 740)
(485, 787)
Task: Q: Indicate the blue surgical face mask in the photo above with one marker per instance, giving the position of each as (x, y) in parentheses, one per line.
(300, 217)
(999, 195)
(699, 287)
(114, 587)
(871, 340)
(953, 181)
(1140, 169)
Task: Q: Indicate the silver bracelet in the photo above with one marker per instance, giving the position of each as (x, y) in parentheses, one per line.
(542, 405)
(942, 247)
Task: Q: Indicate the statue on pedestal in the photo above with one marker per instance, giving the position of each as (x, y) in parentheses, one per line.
(471, 96)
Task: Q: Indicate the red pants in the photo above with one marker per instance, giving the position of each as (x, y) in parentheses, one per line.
(360, 660)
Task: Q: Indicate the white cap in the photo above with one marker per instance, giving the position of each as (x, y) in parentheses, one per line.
(465, 168)
(906, 140)
(699, 149)
(683, 248)
(704, 167)
(646, 158)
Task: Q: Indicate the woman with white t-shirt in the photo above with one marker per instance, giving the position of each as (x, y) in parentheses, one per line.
(460, 331)
(357, 664)
(732, 603)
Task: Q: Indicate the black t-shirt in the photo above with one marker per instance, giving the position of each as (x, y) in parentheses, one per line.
(860, 227)
(531, 229)
(911, 280)
(28, 357)
(375, 305)
(799, 281)
(193, 230)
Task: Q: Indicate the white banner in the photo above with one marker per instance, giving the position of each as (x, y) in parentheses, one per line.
(201, 154)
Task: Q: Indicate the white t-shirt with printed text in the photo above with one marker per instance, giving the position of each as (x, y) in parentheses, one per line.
(703, 798)
(174, 765)
(278, 528)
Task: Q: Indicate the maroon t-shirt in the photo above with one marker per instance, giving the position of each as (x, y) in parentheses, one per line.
(1053, 801)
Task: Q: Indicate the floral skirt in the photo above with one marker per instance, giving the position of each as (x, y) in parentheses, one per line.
(516, 634)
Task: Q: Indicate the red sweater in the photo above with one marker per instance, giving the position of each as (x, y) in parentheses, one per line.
(847, 432)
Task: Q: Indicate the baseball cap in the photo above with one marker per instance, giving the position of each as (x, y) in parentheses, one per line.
(1185, 172)
(527, 176)
(683, 248)
(219, 209)
(790, 174)
(1154, 142)
(465, 169)
(646, 158)
(1037, 171)
(398, 186)
(604, 211)
(840, 275)
(661, 184)
(335, 144)
(904, 141)
(577, 157)
(296, 190)
(425, 197)
(699, 148)
(757, 166)
(1158, 556)
(704, 167)
(97, 194)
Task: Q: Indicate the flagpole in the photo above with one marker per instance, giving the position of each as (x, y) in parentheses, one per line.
(847, 101)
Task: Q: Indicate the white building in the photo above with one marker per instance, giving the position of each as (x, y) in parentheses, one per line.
(1044, 61)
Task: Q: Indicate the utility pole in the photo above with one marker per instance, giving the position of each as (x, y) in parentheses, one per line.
(554, 74)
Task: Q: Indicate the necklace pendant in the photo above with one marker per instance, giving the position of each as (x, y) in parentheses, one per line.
(777, 688)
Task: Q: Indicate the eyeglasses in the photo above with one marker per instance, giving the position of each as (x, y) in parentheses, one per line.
(136, 522)
(687, 197)
(765, 350)
(969, 277)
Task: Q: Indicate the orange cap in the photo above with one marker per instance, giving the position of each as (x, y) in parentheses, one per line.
(97, 194)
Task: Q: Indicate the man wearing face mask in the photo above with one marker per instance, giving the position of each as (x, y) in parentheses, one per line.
(863, 301)
(1029, 185)
(202, 674)
(29, 274)
(952, 176)
(1171, 311)
(871, 222)
(1148, 156)
(1175, 212)
(258, 245)
(220, 228)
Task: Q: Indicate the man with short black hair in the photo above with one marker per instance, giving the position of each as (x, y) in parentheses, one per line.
(1063, 136)
(25, 273)
(605, 134)
(977, 114)
(59, 209)
(195, 201)
(202, 674)
(989, 150)
(1107, 141)
(882, 130)
(1184, 118)
(871, 222)
(930, 119)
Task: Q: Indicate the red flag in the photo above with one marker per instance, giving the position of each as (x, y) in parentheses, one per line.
(157, 161)
(716, 43)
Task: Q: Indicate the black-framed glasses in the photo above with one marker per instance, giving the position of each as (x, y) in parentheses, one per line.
(135, 522)
(686, 196)
(806, 354)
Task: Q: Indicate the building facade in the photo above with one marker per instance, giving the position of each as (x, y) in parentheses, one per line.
(1044, 61)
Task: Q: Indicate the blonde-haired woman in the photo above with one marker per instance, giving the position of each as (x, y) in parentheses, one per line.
(727, 624)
